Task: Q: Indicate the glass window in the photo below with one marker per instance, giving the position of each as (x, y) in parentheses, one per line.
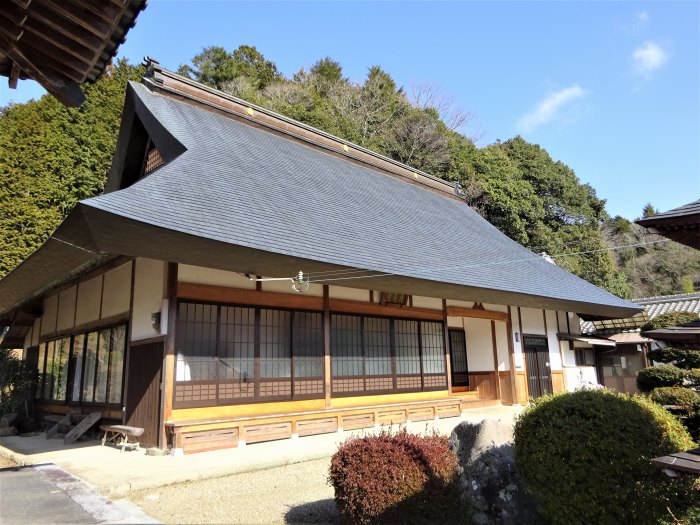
(103, 355)
(60, 368)
(584, 357)
(432, 343)
(41, 373)
(407, 347)
(307, 341)
(346, 342)
(377, 343)
(196, 332)
(50, 366)
(116, 364)
(90, 367)
(237, 344)
(77, 360)
(275, 343)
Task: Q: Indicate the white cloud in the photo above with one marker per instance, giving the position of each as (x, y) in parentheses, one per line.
(642, 18)
(550, 107)
(649, 57)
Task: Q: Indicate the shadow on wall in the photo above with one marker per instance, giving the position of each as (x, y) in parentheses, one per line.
(321, 511)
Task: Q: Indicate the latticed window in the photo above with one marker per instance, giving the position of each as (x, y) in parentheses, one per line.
(377, 354)
(237, 354)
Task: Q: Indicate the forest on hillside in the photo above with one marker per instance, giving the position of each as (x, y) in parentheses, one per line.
(52, 156)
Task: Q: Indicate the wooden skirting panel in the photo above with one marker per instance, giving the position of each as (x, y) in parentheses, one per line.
(484, 383)
(521, 387)
(558, 381)
(198, 436)
(506, 388)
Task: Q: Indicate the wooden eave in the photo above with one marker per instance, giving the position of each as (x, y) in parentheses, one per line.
(62, 43)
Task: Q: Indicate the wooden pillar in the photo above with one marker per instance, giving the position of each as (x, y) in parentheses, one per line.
(125, 388)
(168, 377)
(327, 345)
(495, 359)
(448, 350)
(511, 355)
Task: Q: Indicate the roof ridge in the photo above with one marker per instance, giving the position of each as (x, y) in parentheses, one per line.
(662, 298)
(167, 83)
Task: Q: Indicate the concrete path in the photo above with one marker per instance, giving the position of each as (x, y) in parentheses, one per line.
(116, 473)
(48, 494)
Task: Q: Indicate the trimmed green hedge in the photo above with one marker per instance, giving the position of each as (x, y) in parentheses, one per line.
(660, 376)
(681, 357)
(675, 395)
(585, 458)
(669, 319)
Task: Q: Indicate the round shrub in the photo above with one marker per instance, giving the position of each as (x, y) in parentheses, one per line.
(658, 376)
(396, 478)
(675, 395)
(585, 458)
(669, 319)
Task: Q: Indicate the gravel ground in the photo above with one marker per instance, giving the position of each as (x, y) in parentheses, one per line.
(291, 494)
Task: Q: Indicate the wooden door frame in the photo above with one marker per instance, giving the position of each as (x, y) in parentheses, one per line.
(546, 339)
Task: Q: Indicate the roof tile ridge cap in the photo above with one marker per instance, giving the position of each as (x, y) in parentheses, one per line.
(155, 73)
(663, 298)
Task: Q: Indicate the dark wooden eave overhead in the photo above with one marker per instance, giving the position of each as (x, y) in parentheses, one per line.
(62, 43)
(680, 224)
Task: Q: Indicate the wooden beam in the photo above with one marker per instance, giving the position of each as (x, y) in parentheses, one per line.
(13, 13)
(459, 311)
(448, 346)
(222, 294)
(168, 377)
(327, 384)
(511, 356)
(52, 39)
(109, 13)
(77, 15)
(10, 30)
(24, 4)
(14, 76)
(43, 24)
(66, 92)
(494, 345)
(345, 306)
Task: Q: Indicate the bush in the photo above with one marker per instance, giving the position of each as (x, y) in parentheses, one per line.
(402, 477)
(15, 383)
(659, 376)
(681, 357)
(669, 319)
(585, 458)
(675, 395)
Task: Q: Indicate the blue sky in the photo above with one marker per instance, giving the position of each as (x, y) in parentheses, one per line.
(611, 89)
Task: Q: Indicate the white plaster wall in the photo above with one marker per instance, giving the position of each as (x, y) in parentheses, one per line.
(575, 375)
(553, 341)
(66, 308)
(149, 290)
(351, 294)
(454, 322)
(517, 345)
(48, 321)
(201, 275)
(569, 355)
(496, 307)
(117, 291)
(427, 302)
(533, 322)
(28, 339)
(502, 346)
(89, 295)
(479, 344)
(463, 304)
(574, 323)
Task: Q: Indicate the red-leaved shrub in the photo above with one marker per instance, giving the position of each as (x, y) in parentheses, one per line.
(396, 478)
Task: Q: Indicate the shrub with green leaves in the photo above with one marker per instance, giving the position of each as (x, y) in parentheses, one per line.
(585, 458)
(15, 382)
(681, 357)
(675, 395)
(396, 478)
(669, 319)
(659, 376)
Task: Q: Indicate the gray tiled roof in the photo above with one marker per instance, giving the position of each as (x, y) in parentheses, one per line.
(248, 187)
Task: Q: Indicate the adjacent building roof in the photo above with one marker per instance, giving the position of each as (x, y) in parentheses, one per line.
(239, 188)
(688, 333)
(62, 43)
(653, 307)
(680, 224)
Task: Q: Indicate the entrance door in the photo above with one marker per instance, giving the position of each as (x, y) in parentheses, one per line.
(458, 358)
(143, 390)
(539, 377)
